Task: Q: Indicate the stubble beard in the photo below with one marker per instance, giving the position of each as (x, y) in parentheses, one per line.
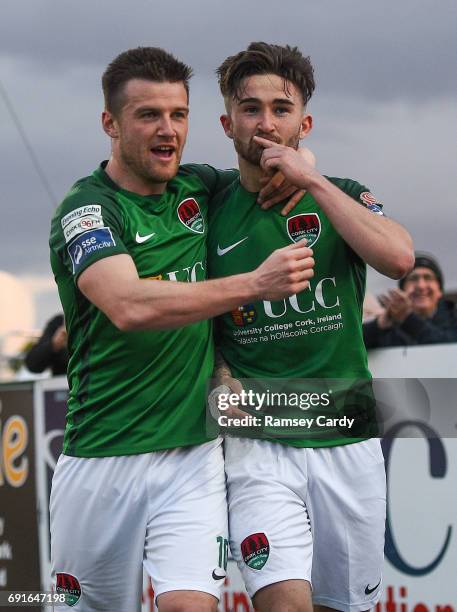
(252, 152)
(144, 170)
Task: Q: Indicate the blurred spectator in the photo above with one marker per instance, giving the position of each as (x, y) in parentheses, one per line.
(51, 349)
(416, 313)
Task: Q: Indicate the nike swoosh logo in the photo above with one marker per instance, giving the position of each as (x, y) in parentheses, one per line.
(141, 239)
(221, 252)
(369, 590)
(217, 577)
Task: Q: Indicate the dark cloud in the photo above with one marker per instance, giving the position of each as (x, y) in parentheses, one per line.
(379, 50)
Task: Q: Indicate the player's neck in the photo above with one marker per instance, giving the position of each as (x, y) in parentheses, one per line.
(250, 175)
(125, 179)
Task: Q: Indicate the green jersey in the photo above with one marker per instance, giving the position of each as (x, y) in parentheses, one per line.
(316, 334)
(139, 391)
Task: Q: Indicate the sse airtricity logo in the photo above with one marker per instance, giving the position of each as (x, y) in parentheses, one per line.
(304, 226)
(77, 254)
(89, 242)
(190, 215)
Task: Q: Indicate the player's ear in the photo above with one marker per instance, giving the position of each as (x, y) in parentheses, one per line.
(227, 125)
(110, 125)
(306, 125)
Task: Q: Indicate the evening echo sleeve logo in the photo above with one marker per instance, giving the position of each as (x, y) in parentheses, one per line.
(190, 215)
(304, 226)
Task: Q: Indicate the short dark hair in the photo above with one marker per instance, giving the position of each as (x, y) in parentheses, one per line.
(263, 58)
(148, 63)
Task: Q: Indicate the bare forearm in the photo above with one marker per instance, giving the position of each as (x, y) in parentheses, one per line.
(170, 304)
(112, 285)
(381, 242)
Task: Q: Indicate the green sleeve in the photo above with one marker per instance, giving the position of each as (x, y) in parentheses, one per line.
(86, 227)
(360, 193)
(214, 179)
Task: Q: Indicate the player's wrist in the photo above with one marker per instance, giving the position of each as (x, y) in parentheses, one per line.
(251, 286)
(316, 184)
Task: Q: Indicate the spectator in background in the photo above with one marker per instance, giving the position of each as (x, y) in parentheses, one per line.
(51, 349)
(416, 313)
(371, 307)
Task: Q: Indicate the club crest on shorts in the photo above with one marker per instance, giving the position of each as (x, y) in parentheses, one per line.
(70, 587)
(255, 550)
(305, 225)
(244, 315)
(190, 215)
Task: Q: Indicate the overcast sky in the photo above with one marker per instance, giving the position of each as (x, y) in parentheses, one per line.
(384, 108)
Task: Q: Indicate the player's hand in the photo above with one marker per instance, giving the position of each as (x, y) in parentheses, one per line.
(220, 400)
(297, 170)
(277, 188)
(225, 383)
(285, 272)
(236, 388)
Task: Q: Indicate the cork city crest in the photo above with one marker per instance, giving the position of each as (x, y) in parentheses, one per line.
(306, 225)
(255, 550)
(190, 215)
(70, 587)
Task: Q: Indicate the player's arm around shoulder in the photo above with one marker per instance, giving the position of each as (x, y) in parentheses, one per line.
(381, 242)
(112, 284)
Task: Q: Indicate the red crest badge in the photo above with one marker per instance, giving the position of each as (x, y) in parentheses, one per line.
(304, 226)
(255, 550)
(190, 215)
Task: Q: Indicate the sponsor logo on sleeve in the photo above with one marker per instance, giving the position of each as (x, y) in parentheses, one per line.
(304, 226)
(370, 202)
(255, 550)
(87, 243)
(81, 225)
(190, 215)
(95, 210)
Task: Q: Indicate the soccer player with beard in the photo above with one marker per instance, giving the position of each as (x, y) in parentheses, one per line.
(140, 479)
(307, 508)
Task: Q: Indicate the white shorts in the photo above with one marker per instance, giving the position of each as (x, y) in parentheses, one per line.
(166, 510)
(316, 514)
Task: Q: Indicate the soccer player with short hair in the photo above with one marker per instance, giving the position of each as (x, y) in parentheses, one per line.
(309, 508)
(140, 479)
